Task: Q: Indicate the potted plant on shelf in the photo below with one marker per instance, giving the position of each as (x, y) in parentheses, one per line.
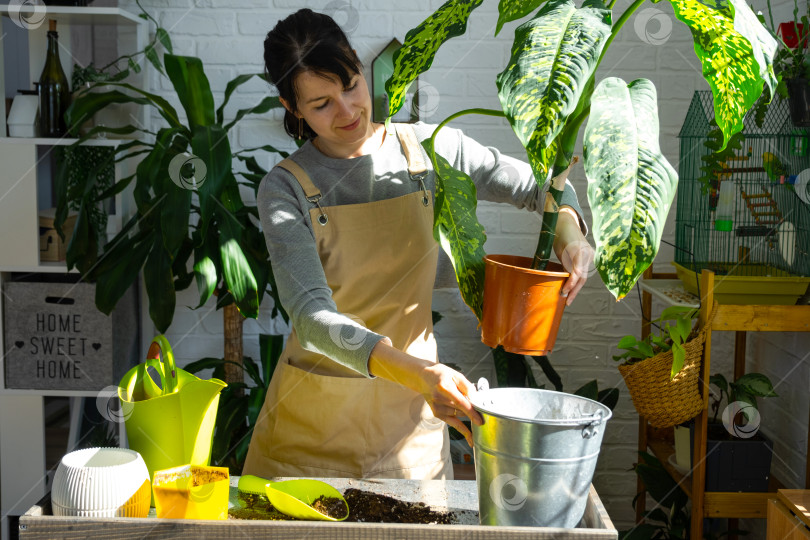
(791, 63)
(184, 217)
(547, 91)
(661, 371)
(738, 455)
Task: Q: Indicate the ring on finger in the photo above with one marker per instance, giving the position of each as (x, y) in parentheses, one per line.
(453, 413)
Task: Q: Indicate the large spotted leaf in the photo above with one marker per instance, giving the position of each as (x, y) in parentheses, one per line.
(416, 54)
(630, 183)
(456, 228)
(553, 56)
(736, 52)
(512, 10)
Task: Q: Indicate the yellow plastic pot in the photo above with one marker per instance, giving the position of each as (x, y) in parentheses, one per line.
(192, 492)
(170, 424)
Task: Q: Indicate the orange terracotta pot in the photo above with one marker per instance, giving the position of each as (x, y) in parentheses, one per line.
(522, 307)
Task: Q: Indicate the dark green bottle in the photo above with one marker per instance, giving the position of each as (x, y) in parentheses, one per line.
(54, 93)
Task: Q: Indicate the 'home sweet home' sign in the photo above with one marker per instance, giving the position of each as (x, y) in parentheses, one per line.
(56, 339)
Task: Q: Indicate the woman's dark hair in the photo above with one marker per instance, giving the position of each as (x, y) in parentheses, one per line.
(306, 41)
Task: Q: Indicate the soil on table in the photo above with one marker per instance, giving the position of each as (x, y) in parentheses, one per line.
(330, 506)
(374, 508)
(364, 506)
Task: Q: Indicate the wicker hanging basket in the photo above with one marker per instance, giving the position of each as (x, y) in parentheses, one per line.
(666, 402)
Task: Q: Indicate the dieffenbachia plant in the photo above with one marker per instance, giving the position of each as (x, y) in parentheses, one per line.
(547, 91)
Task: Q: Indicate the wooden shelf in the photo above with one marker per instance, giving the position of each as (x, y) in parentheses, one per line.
(80, 15)
(62, 141)
(739, 319)
(662, 449)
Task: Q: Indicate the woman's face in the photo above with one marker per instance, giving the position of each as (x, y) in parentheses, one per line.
(340, 116)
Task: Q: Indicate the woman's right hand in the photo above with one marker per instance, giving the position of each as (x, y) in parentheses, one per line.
(445, 390)
(447, 394)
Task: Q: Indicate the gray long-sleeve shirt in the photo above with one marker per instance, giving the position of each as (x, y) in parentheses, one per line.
(383, 174)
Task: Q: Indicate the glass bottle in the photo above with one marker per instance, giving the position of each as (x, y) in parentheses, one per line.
(54, 93)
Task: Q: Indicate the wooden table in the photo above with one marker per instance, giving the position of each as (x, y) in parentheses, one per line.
(457, 496)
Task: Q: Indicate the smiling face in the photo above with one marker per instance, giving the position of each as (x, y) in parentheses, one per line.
(341, 116)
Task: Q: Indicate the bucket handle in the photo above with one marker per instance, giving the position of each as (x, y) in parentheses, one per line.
(168, 373)
(592, 428)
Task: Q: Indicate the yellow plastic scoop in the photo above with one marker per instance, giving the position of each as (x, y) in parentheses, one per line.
(293, 497)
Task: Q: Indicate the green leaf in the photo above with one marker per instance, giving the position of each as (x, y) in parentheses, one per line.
(192, 87)
(270, 102)
(87, 101)
(630, 183)
(756, 384)
(416, 54)
(456, 228)
(646, 350)
(609, 397)
(86, 104)
(270, 349)
(512, 10)
(673, 313)
(588, 390)
(627, 342)
(210, 144)
(159, 281)
(175, 207)
(205, 273)
(151, 54)
(232, 85)
(553, 56)
(82, 250)
(678, 357)
(683, 328)
(163, 37)
(119, 266)
(719, 381)
(202, 364)
(238, 276)
(736, 53)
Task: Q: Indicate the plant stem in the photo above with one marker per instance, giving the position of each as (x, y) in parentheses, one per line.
(545, 242)
(617, 28)
(486, 112)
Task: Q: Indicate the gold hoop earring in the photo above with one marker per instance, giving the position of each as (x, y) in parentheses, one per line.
(300, 128)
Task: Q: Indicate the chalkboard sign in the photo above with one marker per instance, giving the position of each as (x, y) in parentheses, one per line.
(56, 339)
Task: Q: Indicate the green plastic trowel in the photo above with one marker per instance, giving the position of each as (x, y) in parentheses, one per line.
(293, 497)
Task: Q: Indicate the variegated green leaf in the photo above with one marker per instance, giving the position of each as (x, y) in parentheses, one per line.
(456, 228)
(630, 183)
(736, 52)
(553, 56)
(420, 46)
(512, 10)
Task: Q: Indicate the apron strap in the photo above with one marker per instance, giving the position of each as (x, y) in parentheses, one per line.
(413, 153)
(312, 193)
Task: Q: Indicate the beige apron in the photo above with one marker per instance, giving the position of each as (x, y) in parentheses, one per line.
(323, 419)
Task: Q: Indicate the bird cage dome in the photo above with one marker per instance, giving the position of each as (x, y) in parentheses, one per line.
(744, 213)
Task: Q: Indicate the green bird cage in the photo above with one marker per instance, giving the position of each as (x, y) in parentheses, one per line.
(744, 213)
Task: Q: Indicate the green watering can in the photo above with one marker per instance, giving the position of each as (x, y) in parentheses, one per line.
(170, 424)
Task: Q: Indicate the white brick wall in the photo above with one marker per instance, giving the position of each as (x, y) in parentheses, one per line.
(228, 35)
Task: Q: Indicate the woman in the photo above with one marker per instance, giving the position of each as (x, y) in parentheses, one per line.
(348, 223)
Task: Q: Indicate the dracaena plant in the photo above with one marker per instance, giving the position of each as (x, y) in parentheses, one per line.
(210, 229)
(547, 91)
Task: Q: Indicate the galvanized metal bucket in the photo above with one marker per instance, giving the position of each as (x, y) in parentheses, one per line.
(535, 455)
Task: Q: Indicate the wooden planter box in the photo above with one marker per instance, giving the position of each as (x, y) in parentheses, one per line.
(458, 496)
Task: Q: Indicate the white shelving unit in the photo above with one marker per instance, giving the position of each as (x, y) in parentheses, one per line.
(24, 184)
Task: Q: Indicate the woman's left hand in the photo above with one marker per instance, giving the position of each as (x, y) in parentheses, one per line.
(574, 252)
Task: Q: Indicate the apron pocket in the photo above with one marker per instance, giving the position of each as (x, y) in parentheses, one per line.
(314, 412)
